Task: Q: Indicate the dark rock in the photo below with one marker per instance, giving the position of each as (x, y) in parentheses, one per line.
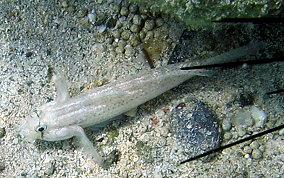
(29, 54)
(2, 167)
(245, 99)
(112, 158)
(2, 132)
(195, 127)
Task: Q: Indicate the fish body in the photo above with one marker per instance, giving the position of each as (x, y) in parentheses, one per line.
(66, 116)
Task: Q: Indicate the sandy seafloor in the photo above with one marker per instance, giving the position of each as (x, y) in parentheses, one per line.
(37, 37)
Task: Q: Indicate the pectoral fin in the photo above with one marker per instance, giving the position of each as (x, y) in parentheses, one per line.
(61, 87)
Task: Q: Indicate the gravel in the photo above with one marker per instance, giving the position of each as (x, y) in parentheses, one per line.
(38, 37)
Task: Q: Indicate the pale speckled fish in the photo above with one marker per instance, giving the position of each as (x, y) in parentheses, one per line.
(66, 117)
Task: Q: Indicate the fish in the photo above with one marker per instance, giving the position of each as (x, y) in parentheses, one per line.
(66, 117)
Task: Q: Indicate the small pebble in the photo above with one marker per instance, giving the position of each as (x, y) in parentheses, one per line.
(64, 4)
(2, 167)
(137, 20)
(116, 34)
(119, 49)
(2, 132)
(143, 9)
(262, 148)
(121, 43)
(134, 28)
(247, 156)
(149, 25)
(259, 116)
(142, 35)
(149, 35)
(226, 124)
(161, 142)
(133, 40)
(124, 11)
(101, 28)
(29, 54)
(91, 17)
(84, 21)
(125, 35)
(247, 149)
(129, 51)
(254, 145)
(81, 13)
(228, 136)
(243, 118)
(15, 141)
(48, 168)
(256, 154)
(159, 22)
(133, 8)
(241, 132)
(281, 132)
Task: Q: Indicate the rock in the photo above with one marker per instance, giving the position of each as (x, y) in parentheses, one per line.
(195, 126)
(49, 168)
(29, 54)
(2, 132)
(137, 20)
(111, 22)
(91, 17)
(112, 158)
(245, 99)
(256, 154)
(226, 124)
(227, 136)
(15, 141)
(2, 167)
(134, 28)
(129, 51)
(159, 22)
(259, 116)
(241, 131)
(247, 149)
(133, 8)
(243, 119)
(149, 25)
(124, 11)
(254, 145)
(281, 132)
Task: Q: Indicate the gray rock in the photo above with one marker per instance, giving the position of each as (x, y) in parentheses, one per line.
(247, 149)
(49, 168)
(254, 145)
(2, 167)
(227, 136)
(243, 119)
(226, 124)
(256, 154)
(259, 116)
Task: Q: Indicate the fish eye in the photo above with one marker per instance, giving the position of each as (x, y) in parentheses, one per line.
(41, 128)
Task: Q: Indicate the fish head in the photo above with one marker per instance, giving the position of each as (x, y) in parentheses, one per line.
(32, 129)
